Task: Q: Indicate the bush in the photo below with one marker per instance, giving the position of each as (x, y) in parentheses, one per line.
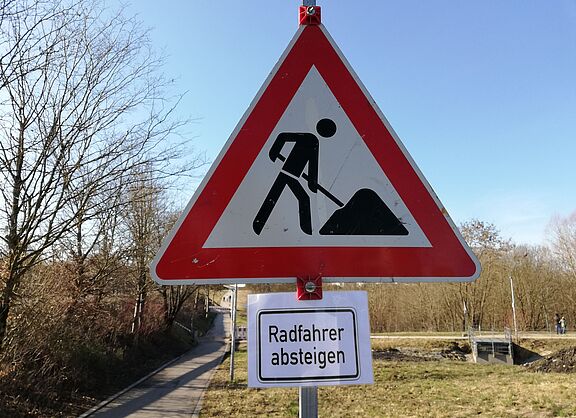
(62, 347)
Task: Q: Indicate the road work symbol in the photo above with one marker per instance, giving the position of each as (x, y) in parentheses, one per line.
(364, 214)
(313, 180)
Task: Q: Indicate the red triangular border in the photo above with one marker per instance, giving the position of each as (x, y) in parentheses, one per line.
(182, 260)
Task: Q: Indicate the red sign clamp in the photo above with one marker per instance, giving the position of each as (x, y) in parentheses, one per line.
(309, 288)
(310, 15)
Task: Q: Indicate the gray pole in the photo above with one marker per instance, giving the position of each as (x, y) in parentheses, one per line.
(512, 291)
(514, 309)
(308, 401)
(308, 394)
(466, 330)
(233, 333)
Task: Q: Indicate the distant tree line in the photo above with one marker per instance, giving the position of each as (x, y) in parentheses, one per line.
(543, 279)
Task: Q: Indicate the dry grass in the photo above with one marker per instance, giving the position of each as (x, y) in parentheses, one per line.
(406, 389)
(547, 346)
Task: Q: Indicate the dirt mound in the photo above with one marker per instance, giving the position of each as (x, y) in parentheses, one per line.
(453, 352)
(406, 354)
(364, 214)
(563, 361)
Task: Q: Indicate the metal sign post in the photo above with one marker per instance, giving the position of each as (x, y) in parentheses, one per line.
(308, 395)
(513, 309)
(233, 332)
(308, 402)
(308, 288)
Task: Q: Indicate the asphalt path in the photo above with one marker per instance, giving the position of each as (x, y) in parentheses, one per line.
(177, 390)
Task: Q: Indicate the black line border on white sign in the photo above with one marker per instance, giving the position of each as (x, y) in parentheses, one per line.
(355, 376)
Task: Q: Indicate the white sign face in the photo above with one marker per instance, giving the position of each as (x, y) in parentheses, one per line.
(345, 166)
(309, 343)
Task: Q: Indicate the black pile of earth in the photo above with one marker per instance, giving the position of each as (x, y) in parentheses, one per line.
(455, 352)
(418, 355)
(393, 354)
(364, 214)
(563, 361)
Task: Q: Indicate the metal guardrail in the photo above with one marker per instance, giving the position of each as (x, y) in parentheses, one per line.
(506, 334)
(491, 345)
(183, 327)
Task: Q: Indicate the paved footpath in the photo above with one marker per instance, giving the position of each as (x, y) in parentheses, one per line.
(177, 390)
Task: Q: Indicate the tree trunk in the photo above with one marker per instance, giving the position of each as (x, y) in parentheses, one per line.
(138, 317)
(7, 296)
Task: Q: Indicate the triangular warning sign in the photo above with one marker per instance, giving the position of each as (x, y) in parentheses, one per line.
(313, 182)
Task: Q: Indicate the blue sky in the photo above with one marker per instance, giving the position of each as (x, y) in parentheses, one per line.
(482, 94)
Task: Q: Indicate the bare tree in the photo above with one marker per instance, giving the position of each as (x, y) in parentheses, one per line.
(490, 248)
(6, 9)
(535, 286)
(174, 299)
(144, 219)
(562, 231)
(543, 280)
(149, 218)
(81, 104)
(563, 239)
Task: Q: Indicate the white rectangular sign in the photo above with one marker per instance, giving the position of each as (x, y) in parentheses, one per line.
(309, 343)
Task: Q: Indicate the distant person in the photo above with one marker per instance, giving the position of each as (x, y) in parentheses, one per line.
(562, 325)
(557, 323)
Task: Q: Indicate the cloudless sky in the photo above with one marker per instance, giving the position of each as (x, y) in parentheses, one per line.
(482, 94)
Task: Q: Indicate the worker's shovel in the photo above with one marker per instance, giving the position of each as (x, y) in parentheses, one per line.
(322, 189)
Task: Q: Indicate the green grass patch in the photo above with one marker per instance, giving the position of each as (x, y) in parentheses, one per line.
(405, 389)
